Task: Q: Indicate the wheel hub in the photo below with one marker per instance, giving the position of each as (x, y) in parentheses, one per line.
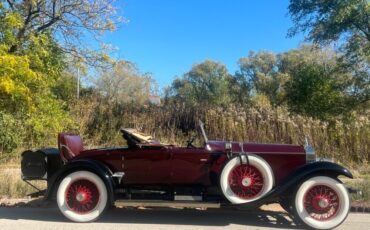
(323, 203)
(81, 196)
(247, 181)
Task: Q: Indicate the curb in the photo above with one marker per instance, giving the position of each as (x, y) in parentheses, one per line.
(360, 209)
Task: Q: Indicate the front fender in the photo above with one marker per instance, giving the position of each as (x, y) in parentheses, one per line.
(89, 165)
(323, 168)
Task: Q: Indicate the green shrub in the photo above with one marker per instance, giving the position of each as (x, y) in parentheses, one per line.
(11, 132)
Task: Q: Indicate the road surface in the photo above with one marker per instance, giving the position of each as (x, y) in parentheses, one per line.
(155, 219)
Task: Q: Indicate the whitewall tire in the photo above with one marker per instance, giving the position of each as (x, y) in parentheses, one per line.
(246, 182)
(82, 196)
(322, 202)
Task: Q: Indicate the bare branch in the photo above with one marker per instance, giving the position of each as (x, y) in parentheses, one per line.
(68, 20)
(11, 4)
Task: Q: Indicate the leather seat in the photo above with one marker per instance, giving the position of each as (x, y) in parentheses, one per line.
(70, 145)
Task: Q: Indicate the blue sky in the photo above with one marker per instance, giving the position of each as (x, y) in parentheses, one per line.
(166, 37)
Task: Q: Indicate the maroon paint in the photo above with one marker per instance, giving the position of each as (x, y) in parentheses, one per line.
(152, 165)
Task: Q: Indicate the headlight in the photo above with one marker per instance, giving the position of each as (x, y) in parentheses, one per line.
(310, 154)
(228, 146)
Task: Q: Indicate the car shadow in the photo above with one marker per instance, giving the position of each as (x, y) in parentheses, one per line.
(210, 217)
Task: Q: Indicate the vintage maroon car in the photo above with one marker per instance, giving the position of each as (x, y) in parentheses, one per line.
(85, 182)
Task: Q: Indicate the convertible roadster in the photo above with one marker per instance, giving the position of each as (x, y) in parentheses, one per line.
(85, 182)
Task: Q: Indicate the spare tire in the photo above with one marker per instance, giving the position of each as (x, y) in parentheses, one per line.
(243, 180)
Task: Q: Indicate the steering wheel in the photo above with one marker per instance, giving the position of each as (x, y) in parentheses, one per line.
(190, 142)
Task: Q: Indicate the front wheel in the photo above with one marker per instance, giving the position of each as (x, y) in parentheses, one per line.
(82, 196)
(321, 203)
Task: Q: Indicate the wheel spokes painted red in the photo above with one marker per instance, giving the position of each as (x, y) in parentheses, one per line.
(246, 181)
(82, 196)
(321, 202)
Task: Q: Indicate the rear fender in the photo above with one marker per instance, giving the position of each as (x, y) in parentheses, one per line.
(89, 165)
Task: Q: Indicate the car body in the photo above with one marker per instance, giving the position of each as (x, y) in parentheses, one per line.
(227, 173)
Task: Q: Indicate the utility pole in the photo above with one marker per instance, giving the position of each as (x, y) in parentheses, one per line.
(78, 82)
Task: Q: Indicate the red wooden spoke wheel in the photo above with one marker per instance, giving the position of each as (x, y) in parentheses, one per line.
(246, 181)
(321, 202)
(82, 196)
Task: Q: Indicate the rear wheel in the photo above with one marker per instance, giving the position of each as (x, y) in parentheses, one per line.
(82, 196)
(322, 203)
(246, 181)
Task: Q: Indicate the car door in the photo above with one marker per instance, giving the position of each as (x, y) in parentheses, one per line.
(147, 165)
(190, 166)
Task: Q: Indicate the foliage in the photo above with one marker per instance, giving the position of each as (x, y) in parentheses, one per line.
(315, 92)
(329, 20)
(25, 95)
(206, 83)
(124, 84)
(318, 87)
(12, 132)
(262, 70)
(65, 88)
(26, 80)
(68, 21)
(309, 80)
(345, 22)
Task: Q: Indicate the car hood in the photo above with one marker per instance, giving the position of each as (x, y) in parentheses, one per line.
(254, 147)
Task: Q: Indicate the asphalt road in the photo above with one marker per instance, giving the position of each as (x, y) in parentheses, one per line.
(153, 219)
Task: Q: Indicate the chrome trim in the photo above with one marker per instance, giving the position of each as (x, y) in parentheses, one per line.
(228, 146)
(325, 159)
(310, 152)
(201, 125)
(119, 176)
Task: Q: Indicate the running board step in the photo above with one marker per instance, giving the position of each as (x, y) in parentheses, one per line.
(163, 203)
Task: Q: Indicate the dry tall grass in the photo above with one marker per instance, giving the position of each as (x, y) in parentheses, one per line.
(347, 143)
(11, 184)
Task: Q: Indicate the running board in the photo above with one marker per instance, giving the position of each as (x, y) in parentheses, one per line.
(164, 203)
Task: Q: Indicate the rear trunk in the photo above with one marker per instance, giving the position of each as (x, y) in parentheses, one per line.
(41, 164)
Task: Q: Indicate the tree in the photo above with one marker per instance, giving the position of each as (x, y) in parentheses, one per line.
(206, 83)
(124, 84)
(26, 97)
(329, 20)
(69, 21)
(317, 86)
(346, 22)
(262, 70)
(26, 80)
(240, 89)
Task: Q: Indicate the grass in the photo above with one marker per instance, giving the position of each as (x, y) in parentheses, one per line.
(12, 186)
(361, 182)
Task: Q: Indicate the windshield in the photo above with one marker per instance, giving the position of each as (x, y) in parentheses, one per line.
(201, 125)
